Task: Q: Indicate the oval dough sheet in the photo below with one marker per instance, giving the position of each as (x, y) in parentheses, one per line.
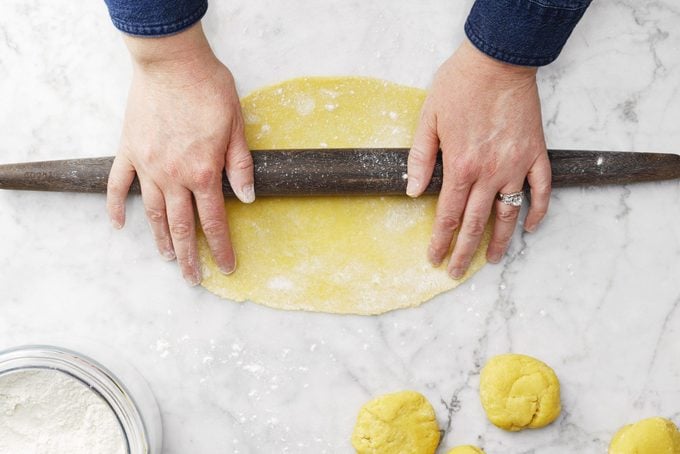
(348, 255)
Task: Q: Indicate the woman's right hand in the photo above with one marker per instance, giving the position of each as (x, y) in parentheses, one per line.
(183, 129)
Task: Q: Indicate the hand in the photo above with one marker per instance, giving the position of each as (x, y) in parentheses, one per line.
(183, 128)
(486, 117)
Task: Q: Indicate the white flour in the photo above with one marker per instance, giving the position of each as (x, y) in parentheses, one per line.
(48, 412)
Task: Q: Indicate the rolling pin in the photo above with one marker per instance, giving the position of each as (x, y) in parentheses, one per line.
(374, 171)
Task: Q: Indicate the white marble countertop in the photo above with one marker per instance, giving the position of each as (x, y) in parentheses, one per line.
(595, 292)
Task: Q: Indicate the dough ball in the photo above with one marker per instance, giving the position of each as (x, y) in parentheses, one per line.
(649, 436)
(467, 449)
(519, 392)
(399, 423)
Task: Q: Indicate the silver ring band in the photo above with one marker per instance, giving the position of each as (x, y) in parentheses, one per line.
(514, 199)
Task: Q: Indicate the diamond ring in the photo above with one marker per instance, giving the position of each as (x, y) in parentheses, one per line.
(514, 199)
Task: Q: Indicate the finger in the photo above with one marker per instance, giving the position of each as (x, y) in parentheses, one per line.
(154, 206)
(210, 205)
(475, 218)
(539, 178)
(450, 206)
(422, 155)
(120, 178)
(239, 164)
(504, 226)
(182, 228)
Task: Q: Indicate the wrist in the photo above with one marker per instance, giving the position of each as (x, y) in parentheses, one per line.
(186, 56)
(475, 62)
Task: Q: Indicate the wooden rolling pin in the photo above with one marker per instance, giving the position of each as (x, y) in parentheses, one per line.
(375, 171)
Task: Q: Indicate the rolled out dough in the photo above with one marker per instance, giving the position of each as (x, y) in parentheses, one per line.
(349, 255)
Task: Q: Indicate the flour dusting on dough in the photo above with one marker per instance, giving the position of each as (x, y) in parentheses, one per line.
(357, 255)
(280, 283)
(304, 105)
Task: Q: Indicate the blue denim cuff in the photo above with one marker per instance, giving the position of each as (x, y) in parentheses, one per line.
(523, 32)
(155, 17)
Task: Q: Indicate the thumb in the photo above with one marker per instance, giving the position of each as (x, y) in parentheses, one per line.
(120, 178)
(239, 166)
(422, 155)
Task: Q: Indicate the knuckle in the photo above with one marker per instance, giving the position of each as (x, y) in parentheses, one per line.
(115, 202)
(116, 209)
(496, 245)
(465, 170)
(180, 229)
(428, 119)
(114, 199)
(242, 162)
(418, 155)
(507, 215)
(155, 215)
(516, 155)
(202, 176)
(147, 154)
(534, 217)
(491, 166)
(115, 184)
(475, 227)
(212, 227)
(457, 185)
(500, 242)
(542, 187)
(448, 222)
(538, 210)
(163, 239)
(115, 192)
(172, 169)
(237, 122)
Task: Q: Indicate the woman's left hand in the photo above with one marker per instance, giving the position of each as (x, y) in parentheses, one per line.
(486, 117)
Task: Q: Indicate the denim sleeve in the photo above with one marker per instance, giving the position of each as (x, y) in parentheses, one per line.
(523, 32)
(155, 17)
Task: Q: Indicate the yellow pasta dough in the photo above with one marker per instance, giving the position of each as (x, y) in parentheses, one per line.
(519, 392)
(351, 255)
(467, 449)
(648, 436)
(399, 423)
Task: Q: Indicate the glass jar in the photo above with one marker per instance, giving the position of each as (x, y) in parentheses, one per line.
(129, 398)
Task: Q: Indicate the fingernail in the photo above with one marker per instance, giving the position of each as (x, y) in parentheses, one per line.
(227, 270)
(435, 261)
(248, 193)
(116, 224)
(193, 280)
(168, 254)
(412, 187)
(494, 257)
(456, 273)
(530, 228)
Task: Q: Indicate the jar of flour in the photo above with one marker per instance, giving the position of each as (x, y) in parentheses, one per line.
(56, 401)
